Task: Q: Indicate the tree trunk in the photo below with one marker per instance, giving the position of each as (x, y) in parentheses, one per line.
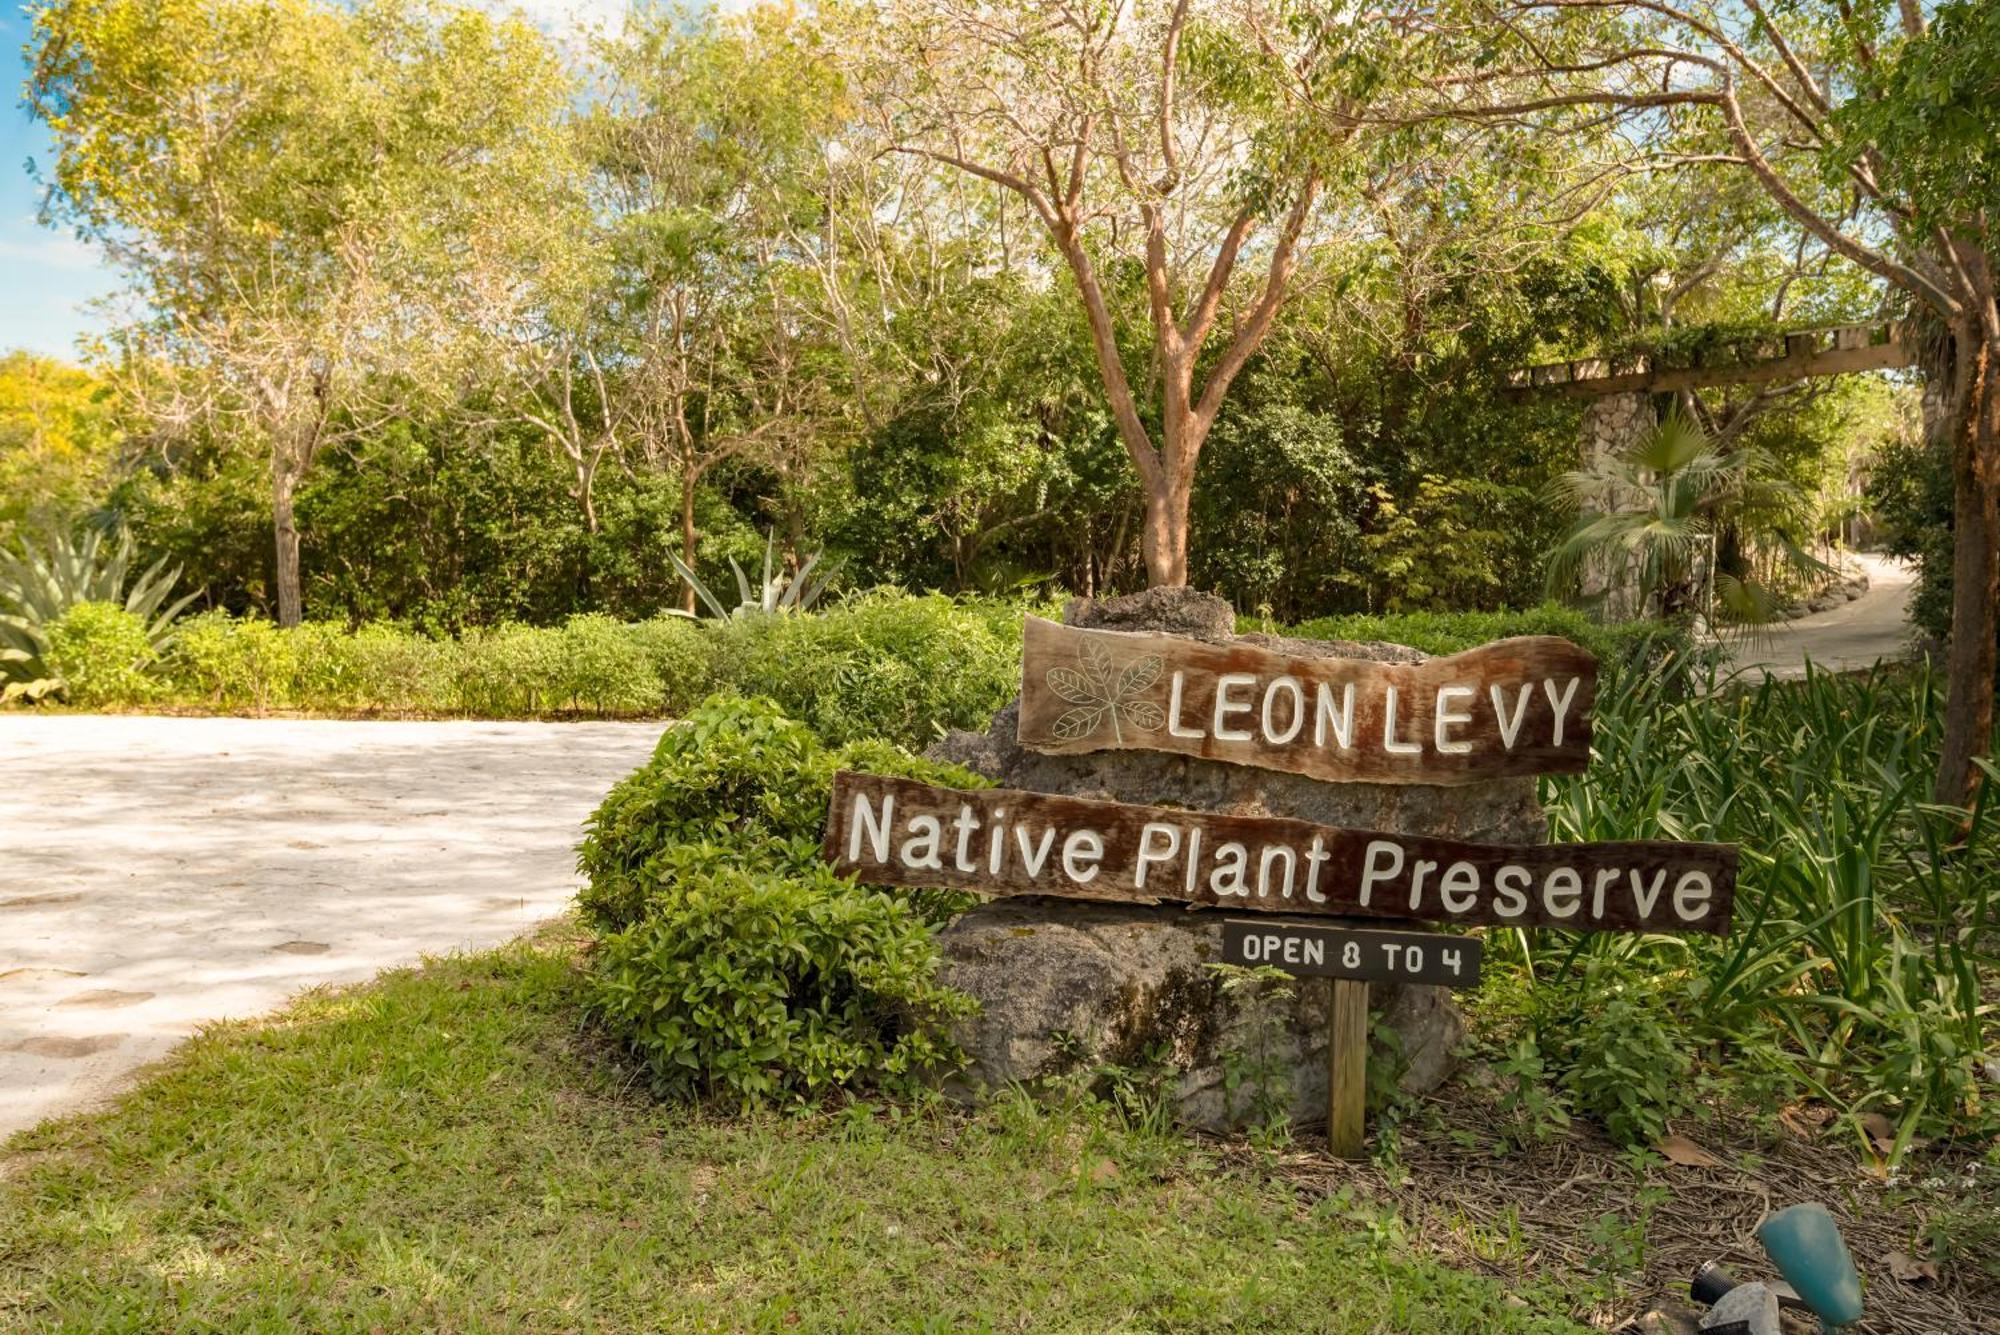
(688, 480)
(284, 483)
(1973, 660)
(1164, 541)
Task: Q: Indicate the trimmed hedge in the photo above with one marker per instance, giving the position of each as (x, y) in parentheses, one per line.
(1616, 644)
(886, 664)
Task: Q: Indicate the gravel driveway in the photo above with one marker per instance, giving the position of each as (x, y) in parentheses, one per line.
(159, 873)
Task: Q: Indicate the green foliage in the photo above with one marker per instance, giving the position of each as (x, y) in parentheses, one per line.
(735, 963)
(1910, 492)
(1862, 954)
(1252, 1069)
(101, 654)
(754, 986)
(1616, 644)
(1646, 516)
(1622, 1056)
(778, 590)
(884, 664)
(58, 443)
(1438, 550)
(736, 782)
(42, 583)
(1927, 116)
(223, 663)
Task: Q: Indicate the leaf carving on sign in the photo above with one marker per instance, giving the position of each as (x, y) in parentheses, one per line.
(1101, 689)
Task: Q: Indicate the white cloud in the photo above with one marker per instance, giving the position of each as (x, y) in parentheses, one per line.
(47, 250)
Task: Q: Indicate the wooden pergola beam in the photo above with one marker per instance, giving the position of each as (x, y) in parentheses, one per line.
(1813, 352)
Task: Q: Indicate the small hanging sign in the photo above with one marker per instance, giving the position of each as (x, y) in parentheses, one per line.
(1313, 951)
(1514, 707)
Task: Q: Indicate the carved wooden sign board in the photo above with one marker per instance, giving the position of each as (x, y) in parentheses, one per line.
(1513, 707)
(899, 832)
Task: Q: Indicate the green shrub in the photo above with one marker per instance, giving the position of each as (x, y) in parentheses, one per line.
(760, 986)
(737, 775)
(510, 672)
(734, 961)
(1624, 1058)
(1862, 953)
(387, 668)
(601, 668)
(1618, 644)
(886, 664)
(682, 657)
(102, 654)
(225, 663)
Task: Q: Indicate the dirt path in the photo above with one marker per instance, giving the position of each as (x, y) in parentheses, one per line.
(1872, 627)
(159, 873)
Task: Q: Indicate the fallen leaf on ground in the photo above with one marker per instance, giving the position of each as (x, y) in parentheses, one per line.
(1909, 1269)
(1679, 1149)
(1880, 1130)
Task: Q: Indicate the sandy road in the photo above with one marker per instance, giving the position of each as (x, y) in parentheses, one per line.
(160, 873)
(1860, 634)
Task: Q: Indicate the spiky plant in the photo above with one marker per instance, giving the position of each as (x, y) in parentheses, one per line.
(39, 584)
(1646, 513)
(778, 592)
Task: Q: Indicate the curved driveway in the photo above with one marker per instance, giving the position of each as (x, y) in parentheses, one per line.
(1857, 635)
(160, 873)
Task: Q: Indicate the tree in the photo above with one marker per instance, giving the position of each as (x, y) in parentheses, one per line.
(1869, 125)
(1159, 140)
(58, 442)
(294, 191)
(706, 150)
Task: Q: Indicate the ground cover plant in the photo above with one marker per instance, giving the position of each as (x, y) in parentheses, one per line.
(442, 1149)
(1864, 966)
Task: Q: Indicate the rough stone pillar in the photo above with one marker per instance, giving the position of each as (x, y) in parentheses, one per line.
(1612, 424)
(1064, 985)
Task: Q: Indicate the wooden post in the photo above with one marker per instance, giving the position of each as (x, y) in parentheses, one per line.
(1347, 1067)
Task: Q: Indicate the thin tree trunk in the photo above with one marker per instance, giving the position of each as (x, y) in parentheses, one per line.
(1973, 661)
(1164, 541)
(285, 529)
(688, 480)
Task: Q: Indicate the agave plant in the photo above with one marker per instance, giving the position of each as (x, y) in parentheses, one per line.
(778, 591)
(38, 585)
(1649, 514)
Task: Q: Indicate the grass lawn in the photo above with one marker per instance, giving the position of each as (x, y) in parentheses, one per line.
(442, 1149)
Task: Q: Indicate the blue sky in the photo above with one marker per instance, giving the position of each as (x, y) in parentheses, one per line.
(46, 275)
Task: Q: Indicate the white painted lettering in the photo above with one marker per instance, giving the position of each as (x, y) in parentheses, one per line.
(1297, 714)
(1390, 742)
(1325, 720)
(1226, 708)
(1370, 874)
(1080, 855)
(1447, 718)
(1148, 853)
(877, 831)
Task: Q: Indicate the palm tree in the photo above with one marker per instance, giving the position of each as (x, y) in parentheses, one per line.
(1646, 518)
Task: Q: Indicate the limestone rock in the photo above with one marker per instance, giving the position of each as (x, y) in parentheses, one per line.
(1065, 983)
(1066, 986)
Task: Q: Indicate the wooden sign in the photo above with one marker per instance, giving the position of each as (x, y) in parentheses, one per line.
(1312, 951)
(1514, 707)
(1002, 842)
